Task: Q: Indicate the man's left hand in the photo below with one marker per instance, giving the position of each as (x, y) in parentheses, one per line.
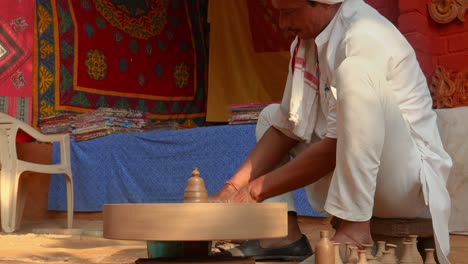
(243, 196)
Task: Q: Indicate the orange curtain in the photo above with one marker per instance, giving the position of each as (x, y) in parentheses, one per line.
(241, 71)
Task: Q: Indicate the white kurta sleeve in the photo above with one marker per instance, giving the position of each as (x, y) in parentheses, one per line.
(330, 99)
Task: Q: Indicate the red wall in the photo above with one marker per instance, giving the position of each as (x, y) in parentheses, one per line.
(388, 8)
(435, 44)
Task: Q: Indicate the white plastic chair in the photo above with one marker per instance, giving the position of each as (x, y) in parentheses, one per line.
(11, 168)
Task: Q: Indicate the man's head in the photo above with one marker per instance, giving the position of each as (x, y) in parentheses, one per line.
(305, 18)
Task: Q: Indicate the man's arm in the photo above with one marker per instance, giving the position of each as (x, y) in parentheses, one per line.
(308, 167)
(267, 153)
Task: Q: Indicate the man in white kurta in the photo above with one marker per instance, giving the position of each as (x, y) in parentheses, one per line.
(355, 86)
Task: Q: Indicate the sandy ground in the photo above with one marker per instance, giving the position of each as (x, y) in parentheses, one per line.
(50, 243)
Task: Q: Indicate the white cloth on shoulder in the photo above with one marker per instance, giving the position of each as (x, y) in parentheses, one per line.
(304, 98)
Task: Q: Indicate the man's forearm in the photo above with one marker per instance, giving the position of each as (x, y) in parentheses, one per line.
(267, 153)
(308, 167)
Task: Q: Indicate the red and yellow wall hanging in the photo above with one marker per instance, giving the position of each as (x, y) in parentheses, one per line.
(143, 55)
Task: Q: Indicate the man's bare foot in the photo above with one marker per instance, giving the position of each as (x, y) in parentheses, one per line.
(357, 233)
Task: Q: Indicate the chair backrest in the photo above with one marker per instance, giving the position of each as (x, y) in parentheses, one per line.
(11, 125)
(4, 148)
(8, 130)
(6, 121)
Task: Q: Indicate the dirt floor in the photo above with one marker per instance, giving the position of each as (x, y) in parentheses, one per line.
(49, 242)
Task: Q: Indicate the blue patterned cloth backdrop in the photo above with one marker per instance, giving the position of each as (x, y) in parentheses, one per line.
(154, 167)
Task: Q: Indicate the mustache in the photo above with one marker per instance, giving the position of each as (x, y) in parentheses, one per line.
(294, 30)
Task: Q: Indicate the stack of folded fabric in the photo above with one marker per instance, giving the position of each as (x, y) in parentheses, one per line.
(245, 113)
(100, 122)
(105, 121)
(162, 125)
(57, 124)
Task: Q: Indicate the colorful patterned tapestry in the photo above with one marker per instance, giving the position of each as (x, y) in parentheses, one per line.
(16, 63)
(144, 55)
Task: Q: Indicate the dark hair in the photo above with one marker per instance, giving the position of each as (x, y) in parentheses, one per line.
(312, 3)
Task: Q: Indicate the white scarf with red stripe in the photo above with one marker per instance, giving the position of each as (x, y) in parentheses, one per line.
(304, 101)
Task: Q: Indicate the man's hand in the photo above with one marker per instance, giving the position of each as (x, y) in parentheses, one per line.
(223, 195)
(244, 195)
(230, 194)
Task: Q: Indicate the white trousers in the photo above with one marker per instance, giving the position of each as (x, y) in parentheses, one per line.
(377, 162)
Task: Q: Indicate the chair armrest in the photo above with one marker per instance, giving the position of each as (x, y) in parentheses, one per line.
(13, 125)
(42, 137)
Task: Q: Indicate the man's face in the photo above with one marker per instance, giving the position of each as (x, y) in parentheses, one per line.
(298, 17)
